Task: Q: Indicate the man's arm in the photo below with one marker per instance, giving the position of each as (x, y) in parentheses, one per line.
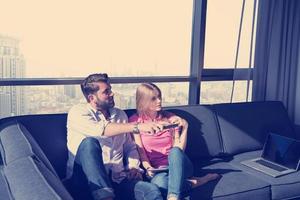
(116, 128)
(144, 158)
(81, 120)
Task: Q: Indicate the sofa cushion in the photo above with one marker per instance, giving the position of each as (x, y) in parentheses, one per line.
(284, 187)
(233, 183)
(4, 189)
(244, 126)
(203, 133)
(29, 179)
(17, 143)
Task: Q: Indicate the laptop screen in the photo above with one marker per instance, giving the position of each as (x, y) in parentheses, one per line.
(282, 150)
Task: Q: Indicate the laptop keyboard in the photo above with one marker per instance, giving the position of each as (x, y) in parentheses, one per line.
(270, 165)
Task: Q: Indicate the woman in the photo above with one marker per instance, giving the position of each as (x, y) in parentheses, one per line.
(164, 148)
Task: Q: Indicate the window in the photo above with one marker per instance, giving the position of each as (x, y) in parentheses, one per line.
(122, 38)
(222, 44)
(220, 92)
(222, 29)
(75, 38)
(20, 100)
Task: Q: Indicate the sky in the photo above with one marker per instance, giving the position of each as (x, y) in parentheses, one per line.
(72, 38)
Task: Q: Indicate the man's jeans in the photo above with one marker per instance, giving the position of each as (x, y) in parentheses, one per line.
(174, 182)
(89, 172)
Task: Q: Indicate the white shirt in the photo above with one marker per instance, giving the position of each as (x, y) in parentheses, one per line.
(84, 121)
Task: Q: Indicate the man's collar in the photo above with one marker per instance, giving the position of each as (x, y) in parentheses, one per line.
(91, 108)
(112, 111)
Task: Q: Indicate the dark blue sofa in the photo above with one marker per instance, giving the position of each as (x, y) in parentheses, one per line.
(34, 152)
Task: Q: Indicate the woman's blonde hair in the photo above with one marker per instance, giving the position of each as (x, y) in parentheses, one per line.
(144, 95)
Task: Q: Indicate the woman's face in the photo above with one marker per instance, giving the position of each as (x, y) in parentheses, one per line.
(155, 102)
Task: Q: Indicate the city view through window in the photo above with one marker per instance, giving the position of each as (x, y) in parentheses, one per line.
(132, 38)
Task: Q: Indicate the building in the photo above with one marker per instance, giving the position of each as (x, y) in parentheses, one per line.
(70, 91)
(12, 65)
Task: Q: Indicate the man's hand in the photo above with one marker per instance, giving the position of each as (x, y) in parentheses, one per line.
(134, 174)
(150, 127)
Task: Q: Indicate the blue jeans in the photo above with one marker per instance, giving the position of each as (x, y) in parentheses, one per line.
(89, 173)
(174, 182)
(140, 190)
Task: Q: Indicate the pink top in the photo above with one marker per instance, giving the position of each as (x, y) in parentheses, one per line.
(159, 145)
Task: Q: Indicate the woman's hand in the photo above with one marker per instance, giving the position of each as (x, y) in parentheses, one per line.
(150, 127)
(149, 172)
(178, 120)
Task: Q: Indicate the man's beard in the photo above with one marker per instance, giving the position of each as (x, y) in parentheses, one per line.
(104, 105)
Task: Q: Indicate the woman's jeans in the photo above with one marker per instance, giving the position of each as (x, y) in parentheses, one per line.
(174, 182)
(89, 173)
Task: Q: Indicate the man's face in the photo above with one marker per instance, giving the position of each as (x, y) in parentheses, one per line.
(103, 99)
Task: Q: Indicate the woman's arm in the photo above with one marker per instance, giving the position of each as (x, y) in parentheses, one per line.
(180, 137)
(144, 158)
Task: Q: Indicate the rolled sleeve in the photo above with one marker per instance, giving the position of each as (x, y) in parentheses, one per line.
(84, 122)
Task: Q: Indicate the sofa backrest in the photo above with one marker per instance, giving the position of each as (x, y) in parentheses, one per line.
(245, 126)
(213, 129)
(17, 142)
(26, 172)
(49, 132)
(203, 132)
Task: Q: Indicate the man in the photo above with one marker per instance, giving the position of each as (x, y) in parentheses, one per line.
(102, 154)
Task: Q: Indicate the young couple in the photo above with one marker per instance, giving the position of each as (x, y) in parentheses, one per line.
(104, 158)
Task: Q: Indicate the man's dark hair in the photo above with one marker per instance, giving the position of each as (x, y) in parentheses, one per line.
(88, 85)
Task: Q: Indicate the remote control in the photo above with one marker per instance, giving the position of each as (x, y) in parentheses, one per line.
(170, 126)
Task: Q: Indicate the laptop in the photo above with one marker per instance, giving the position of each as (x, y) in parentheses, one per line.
(280, 156)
